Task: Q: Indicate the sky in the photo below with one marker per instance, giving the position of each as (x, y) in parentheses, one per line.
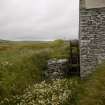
(39, 19)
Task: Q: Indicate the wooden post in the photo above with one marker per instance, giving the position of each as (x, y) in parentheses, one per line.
(74, 59)
(70, 58)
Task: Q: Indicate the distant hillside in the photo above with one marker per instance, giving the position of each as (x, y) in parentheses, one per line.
(22, 42)
(35, 42)
(4, 41)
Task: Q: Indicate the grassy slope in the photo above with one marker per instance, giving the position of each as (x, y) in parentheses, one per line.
(92, 90)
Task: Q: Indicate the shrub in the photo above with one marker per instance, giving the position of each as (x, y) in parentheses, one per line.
(16, 76)
(59, 92)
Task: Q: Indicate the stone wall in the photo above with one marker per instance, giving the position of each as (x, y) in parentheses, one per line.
(92, 39)
(57, 69)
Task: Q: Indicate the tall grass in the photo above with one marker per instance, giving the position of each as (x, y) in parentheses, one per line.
(17, 75)
(91, 91)
(22, 67)
(23, 64)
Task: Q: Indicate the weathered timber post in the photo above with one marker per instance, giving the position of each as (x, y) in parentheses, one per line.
(74, 68)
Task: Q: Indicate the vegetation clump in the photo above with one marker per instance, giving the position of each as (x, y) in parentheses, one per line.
(58, 92)
(92, 89)
(22, 67)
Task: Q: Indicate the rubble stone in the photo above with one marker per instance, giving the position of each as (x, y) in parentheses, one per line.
(57, 68)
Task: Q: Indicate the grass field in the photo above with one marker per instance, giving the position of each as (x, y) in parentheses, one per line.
(92, 90)
(22, 66)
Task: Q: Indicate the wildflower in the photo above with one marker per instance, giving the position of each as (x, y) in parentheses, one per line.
(55, 93)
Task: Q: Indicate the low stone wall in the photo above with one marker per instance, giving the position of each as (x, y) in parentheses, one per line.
(57, 69)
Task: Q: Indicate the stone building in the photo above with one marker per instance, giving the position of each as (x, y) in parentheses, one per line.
(92, 35)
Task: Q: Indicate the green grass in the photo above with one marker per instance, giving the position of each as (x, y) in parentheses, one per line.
(23, 64)
(91, 91)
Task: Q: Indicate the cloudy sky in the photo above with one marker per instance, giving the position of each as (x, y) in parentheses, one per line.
(38, 19)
